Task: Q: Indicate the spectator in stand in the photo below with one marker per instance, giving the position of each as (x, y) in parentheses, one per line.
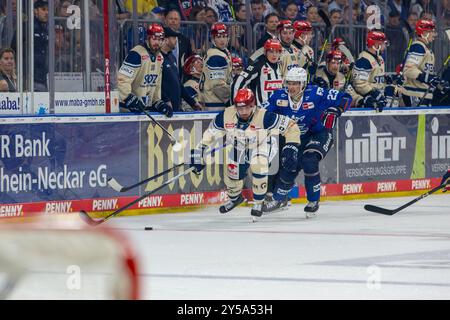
(238, 39)
(172, 91)
(8, 78)
(158, 13)
(258, 9)
(312, 15)
(427, 15)
(395, 35)
(198, 33)
(335, 16)
(183, 47)
(272, 22)
(424, 6)
(273, 6)
(211, 16)
(411, 23)
(143, 7)
(399, 6)
(40, 45)
(223, 9)
(291, 11)
(121, 10)
(337, 4)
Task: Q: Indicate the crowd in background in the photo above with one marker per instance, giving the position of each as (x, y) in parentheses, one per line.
(398, 18)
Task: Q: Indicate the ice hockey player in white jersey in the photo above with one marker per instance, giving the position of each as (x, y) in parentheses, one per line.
(248, 130)
(215, 83)
(264, 75)
(369, 72)
(139, 77)
(419, 71)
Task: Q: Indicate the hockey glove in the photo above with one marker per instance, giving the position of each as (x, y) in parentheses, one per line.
(164, 108)
(446, 180)
(319, 81)
(289, 157)
(380, 100)
(429, 79)
(389, 93)
(133, 103)
(312, 68)
(197, 160)
(367, 102)
(443, 86)
(329, 117)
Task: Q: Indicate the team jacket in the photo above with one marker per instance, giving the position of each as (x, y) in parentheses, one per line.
(336, 82)
(192, 88)
(250, 134)
(368, 73)
(141, 74)
(419, 59)
(306, 54)
(308, 111)
(215, 83)
(262, 77)
(290, 57)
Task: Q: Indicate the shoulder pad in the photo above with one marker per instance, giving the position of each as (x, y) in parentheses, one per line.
(133, 59)
(217, 62)
(417, 48)
(363, 63)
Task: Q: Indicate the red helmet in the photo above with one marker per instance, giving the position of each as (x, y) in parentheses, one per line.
(375, 38)
(237, 63)
(337, 42)
(244, 97)
(301, 27)
(273, 44)
(334, 55)
(188, 67)
(155, 29)
(219, 28)
(285, 25)
(424, 26)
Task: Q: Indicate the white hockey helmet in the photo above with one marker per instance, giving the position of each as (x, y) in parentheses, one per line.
(296, 74)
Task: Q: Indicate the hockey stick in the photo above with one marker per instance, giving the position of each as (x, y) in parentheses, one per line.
(390, 212)
(95, 222)
(429, 87)
(113, 183)
(176, 146)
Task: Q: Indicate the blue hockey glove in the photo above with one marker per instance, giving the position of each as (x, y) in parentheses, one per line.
(164, 108)
(329, 117)
(197, 160)
(133, 103)
(289, 157)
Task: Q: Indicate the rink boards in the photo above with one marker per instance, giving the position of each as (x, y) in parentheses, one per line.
(60, 164)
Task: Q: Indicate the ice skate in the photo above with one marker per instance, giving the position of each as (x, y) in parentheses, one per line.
(256, 211)
(231, 204)
(311, 209)
(274, 205)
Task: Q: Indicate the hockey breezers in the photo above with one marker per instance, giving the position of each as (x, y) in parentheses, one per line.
(94, 222)
(390, 212)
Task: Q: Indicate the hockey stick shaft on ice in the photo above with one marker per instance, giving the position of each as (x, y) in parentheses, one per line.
(113, 183)
(390, 212)
(94, 222)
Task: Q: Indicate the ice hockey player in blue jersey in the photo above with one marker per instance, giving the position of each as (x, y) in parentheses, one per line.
(316, 111)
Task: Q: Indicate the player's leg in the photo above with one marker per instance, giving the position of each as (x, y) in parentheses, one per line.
(259, 166)
(316, 148)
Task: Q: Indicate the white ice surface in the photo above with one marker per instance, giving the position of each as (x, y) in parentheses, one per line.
(344, 253)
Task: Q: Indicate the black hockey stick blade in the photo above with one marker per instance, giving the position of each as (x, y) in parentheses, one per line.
(325, 18)
(114, 184)
(376, 209)
(86, 218)
(389, 212)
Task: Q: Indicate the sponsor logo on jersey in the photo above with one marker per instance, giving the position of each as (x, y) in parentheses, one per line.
(307, 105)
(220, 74)
(254, 128)
(282, 103)
(337, 84)
(145, 57)
(126, 71)
(159, 58)
(230, 125)
(272, 85)
(233, 170)
(266, 70)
